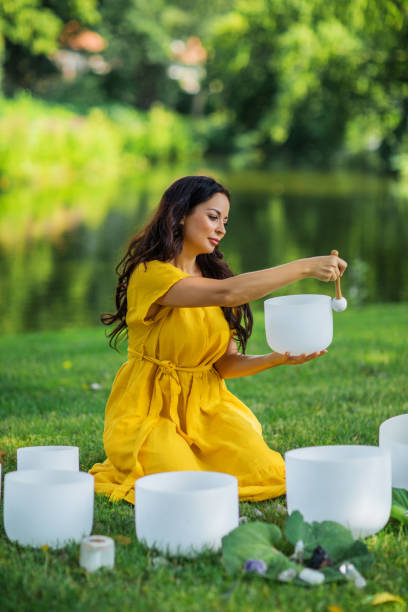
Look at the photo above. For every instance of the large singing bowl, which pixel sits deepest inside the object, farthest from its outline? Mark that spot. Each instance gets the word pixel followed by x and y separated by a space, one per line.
pixel 393 437
pixel 48 507
pixel 299 324
pixel 48 458
pixel 184 513
pixel 347 484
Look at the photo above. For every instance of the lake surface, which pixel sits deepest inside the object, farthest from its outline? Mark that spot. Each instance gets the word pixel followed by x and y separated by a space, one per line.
pixel 59 247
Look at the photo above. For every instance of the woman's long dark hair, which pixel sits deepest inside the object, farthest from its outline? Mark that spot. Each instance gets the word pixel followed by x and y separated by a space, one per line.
pixel 162 240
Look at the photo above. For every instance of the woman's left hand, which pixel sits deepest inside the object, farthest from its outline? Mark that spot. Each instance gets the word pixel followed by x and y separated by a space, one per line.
pixel 288 359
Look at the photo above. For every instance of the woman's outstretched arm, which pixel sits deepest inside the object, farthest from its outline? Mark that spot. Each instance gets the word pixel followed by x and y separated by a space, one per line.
pixel 243 288
pixel 233 364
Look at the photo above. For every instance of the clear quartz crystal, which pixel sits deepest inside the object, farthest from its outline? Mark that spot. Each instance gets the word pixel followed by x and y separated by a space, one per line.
pixel 350 571
pixel 298 552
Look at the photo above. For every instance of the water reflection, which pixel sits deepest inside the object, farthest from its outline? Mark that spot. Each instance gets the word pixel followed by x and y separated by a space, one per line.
pixel 57 254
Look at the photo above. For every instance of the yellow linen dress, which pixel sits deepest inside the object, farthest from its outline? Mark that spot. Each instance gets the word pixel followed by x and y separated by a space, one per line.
pixel 169 409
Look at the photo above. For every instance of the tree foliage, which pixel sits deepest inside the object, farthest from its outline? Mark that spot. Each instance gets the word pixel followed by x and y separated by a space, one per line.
pixel 304 79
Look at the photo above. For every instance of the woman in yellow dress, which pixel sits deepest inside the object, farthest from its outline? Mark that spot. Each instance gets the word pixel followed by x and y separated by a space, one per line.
pixel 184 313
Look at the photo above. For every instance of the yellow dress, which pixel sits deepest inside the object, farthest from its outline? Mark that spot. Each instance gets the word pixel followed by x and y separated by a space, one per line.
pixel 169 409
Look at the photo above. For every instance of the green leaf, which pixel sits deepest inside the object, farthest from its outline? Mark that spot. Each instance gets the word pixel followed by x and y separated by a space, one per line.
pixel 278 564
pixel 254 540
pixel 334 538
pixel 359 554
pixel 399 508
pixel 297 529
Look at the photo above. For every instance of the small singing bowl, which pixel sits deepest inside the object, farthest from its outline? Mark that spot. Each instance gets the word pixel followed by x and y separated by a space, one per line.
pixel 185 513
pixel 393 436
pixel 299 324
pixel 48 458
pixel 347 484
pixel 48 507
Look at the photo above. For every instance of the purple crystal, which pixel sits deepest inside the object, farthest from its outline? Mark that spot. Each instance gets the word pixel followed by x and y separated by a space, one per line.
pixel 255 565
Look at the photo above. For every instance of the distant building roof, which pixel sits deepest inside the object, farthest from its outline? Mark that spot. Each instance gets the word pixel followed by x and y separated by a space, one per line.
pixel 74 37
pixel 189 53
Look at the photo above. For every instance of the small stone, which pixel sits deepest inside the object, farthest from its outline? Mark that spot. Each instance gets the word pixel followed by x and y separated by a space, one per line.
pixel 287 575
pixel 320 558
pixel 311 576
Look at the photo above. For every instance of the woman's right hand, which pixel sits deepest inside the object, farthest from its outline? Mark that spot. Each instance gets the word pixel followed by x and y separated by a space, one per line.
pixel 325 267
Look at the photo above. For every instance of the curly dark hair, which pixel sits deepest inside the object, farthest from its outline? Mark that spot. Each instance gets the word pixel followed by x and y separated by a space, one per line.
pixel 162 240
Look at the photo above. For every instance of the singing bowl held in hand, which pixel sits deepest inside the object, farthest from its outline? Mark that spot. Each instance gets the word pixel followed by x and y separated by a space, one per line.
pixel 298 324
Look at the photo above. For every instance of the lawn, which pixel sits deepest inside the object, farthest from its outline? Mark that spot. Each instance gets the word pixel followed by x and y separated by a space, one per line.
pixel 47 397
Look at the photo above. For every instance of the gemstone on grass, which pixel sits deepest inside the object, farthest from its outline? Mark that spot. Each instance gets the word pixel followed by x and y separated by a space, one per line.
pixel 255 565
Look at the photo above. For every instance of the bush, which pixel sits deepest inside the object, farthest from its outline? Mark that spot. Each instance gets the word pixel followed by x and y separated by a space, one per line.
pixel 46 144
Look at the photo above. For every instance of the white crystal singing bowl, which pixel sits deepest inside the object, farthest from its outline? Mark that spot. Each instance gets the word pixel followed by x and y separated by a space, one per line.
pixel 299 323
pixel 48 507
pixel 183 513
pixel 347 484
pixel 393 437
pixel 48 458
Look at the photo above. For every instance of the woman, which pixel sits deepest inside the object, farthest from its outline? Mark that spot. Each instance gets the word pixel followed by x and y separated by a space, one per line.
pixel 184 312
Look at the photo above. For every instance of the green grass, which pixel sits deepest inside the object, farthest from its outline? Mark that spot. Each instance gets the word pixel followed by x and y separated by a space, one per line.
pixel 340 398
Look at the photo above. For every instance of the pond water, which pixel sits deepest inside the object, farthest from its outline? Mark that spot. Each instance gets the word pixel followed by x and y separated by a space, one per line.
pixel 59 246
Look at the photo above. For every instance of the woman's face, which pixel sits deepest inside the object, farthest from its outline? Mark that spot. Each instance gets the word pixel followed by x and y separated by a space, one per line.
pixel 204 227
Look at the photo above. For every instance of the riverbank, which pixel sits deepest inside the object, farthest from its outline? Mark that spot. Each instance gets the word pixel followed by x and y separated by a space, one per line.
pixel 54 388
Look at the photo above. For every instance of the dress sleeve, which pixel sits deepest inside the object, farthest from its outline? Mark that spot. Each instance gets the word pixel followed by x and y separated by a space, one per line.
pixel 149 283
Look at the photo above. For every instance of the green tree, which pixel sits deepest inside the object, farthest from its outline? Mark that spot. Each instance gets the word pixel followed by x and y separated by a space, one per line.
pixel 305 77
pixel 29 32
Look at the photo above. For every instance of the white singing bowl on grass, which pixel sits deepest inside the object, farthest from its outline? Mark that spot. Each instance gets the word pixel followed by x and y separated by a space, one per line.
pixel 393 436
pixel 48 507
pixel 299 324
pixel 347 484
pixel 48 458
pixel 184 513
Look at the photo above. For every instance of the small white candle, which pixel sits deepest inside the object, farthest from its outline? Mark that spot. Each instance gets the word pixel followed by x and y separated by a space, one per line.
pixel 97 551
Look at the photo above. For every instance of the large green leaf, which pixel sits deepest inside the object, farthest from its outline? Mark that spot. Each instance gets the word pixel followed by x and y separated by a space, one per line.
pixel 333 537
pixel 253 540
pixel 399 508
pixel 297 529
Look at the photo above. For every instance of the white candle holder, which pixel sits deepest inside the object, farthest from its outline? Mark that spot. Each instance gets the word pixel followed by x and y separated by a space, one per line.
pixel 97 551
pixel 393 436
pixel 299 323
pixel 48 458
pixel 48 507
pixel 185 512
pixel 347 484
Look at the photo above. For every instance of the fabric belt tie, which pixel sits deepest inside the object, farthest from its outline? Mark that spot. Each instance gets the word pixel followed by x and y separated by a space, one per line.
pixel 167 385
pixel 168 366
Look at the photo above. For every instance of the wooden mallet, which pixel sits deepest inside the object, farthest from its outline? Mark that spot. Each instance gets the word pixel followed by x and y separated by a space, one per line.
pixel 339 303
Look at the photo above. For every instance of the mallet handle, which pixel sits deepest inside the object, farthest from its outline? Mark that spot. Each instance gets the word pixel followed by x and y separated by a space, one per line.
pixel 338 288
